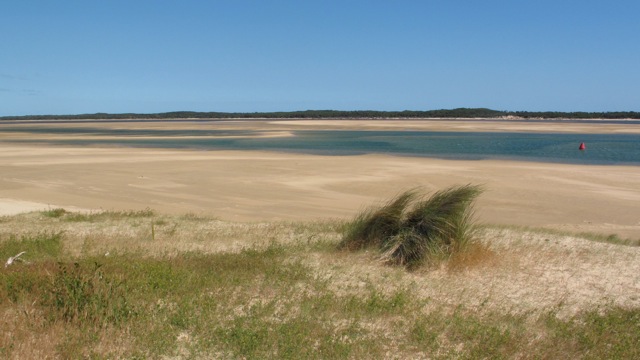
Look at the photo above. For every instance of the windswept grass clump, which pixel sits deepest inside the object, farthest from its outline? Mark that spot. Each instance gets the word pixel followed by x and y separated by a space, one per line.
pixel 373 226
pixel 409 229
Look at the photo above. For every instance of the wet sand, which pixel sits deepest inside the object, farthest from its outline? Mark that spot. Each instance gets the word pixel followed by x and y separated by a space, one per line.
pixel 267 186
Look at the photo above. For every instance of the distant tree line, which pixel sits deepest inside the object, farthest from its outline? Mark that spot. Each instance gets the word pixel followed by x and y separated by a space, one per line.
pixel 332 114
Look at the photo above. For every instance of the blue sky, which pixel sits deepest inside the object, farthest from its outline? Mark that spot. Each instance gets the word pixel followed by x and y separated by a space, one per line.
pixel 87 56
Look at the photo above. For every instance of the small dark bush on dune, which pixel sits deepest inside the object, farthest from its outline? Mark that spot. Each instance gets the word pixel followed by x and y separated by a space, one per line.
pixel 54 213
pixel 410 229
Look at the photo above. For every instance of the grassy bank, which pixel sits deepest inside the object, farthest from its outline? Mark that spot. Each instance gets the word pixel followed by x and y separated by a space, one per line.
pixel 142 285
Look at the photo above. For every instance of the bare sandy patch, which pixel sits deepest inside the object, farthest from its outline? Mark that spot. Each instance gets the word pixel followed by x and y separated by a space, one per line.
pixel 12 207
pixel 263 186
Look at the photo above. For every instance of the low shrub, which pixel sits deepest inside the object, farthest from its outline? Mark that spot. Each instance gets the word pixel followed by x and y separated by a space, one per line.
pixel 54 213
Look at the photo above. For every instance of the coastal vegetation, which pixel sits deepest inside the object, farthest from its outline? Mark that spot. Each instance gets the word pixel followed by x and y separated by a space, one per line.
pixel 411 230
pixel 332 114
pixel 138 284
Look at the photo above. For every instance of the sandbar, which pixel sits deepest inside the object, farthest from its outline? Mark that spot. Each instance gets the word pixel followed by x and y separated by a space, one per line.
pixel 270 186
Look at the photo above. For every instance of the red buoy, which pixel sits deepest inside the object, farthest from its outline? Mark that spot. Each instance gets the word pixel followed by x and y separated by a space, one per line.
pixel 582 146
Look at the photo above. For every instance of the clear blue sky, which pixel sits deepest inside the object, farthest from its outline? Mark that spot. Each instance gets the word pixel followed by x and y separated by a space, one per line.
pixel 115 56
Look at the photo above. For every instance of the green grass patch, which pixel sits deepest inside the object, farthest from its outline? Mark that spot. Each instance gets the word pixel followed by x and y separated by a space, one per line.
pixel 195 217
pixel 604 238
pixel 54 213
pixel 105 215
pixel 611 239
pixel 600 334
pixel 37 246
pixel 263 304
pixel 84 294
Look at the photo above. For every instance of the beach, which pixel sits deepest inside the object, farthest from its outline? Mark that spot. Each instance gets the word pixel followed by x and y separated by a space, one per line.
pixel 251 186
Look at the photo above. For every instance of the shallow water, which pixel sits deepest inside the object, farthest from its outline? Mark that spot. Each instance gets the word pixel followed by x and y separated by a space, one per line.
pixel 557 148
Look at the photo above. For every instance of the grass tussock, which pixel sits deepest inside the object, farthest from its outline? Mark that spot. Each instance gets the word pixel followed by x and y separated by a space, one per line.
pixel 374 226
pixel 411 229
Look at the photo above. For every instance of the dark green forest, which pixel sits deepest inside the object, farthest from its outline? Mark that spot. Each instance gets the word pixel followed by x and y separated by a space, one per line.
pixel 333 114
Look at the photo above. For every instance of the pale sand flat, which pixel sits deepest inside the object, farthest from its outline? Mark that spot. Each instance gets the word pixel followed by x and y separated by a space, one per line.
pixel 12 207
pixel 256 186
pixel 274 128
pixel 265 186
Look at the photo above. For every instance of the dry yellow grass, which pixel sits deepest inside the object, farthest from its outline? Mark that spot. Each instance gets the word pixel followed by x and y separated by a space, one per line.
pixel 509 269
pixel 509 275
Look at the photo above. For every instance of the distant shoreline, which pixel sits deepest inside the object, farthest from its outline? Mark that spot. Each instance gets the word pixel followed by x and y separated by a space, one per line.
pixel 460 113
pixel 626 121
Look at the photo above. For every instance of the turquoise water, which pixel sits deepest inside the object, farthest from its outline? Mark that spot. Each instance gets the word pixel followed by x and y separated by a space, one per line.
pixel 562 148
